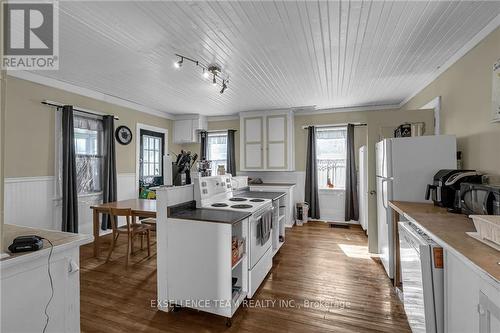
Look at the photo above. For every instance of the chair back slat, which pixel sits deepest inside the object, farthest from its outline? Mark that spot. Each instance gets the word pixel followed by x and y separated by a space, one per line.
pixel 115 212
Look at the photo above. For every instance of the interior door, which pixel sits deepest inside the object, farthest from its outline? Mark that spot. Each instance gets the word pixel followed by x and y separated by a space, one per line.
pixel 276 131
pixel 253 143
pixel 152 151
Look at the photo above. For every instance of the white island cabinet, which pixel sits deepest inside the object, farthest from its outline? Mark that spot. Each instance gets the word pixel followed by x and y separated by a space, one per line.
pixel 25 284
pixel 286 209
pixel 472 298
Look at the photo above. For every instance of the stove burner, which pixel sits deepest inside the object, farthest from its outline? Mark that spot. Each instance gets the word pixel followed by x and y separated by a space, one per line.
pixel 237 199
pixel 257 200
pixel 241 206
pixel 219 204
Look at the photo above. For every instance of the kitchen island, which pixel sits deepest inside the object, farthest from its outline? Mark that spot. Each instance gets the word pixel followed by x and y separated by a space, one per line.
pixel 202 258
pixel 471 268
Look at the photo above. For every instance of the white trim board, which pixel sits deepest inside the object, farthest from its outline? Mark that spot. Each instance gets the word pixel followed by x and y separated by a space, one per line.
pixel 50 82
pixel 435 104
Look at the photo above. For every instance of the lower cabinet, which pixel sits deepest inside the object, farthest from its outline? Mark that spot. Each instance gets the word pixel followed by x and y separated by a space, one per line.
pixel 286 207
pixel 25 289
pixel 472 300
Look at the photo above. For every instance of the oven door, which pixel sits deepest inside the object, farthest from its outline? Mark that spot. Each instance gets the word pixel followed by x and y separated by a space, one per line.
pixel 257 250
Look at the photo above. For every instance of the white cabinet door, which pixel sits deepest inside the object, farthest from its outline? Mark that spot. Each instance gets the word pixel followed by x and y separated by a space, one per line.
pixel 461 296
pixel 183 131
pixel 277 142
pixel 253 145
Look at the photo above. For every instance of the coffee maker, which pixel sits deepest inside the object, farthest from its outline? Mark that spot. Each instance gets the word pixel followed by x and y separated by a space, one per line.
pixel 445 189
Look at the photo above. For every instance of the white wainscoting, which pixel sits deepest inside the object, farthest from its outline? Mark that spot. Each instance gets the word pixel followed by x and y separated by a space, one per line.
pixel 331 202
pixel 297 177
pixel 332 205
pixel 30 201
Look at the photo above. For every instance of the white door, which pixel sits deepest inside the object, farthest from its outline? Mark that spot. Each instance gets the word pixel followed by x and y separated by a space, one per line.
pixel 385 240
pixel 276 142
pixel 253 143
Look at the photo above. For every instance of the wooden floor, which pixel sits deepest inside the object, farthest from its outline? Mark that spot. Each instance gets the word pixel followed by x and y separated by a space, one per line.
pixel 323 274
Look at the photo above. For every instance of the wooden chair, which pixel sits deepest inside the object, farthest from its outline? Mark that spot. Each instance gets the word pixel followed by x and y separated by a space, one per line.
pixel 151 222
pixel 132 229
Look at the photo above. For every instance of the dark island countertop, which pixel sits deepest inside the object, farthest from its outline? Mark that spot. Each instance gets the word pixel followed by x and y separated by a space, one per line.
pixel 261 195
pixel 188 211
pixel 273 184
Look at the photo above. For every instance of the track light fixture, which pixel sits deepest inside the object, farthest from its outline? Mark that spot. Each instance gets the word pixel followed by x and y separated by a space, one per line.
pixel 224 86
pixel 178 64
pixel 213 69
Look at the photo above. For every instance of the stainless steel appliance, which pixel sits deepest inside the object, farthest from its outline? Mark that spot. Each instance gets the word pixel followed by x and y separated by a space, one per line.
pixel 423 279
pixel 446 184
pixel 480 199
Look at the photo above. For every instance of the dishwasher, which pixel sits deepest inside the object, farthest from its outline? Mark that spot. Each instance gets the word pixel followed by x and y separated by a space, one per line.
pixel 423 279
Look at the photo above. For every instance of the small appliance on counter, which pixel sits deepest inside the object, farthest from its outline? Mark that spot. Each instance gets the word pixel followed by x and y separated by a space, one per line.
pixel 479 199
pixel 445 189
pixel 409 129
pixel 204 168
pixel 181 168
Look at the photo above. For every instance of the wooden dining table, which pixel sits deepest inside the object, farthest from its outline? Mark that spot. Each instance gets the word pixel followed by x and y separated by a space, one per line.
pixel 140 208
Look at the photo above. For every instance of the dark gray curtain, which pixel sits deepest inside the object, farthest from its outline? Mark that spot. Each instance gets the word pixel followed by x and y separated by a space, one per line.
pixel 231 158
pixel 203 148
pixel 109 181
pixel 311 195
pixel 351 182
pixel 69 191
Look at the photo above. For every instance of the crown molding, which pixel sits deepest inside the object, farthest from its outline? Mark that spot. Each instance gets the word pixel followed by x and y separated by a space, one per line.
pixel 348 109
pixel 50 82
pixel 488 29
pixel 223 118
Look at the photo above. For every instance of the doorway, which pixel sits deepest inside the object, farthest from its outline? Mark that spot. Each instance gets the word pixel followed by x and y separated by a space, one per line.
pixel 150 169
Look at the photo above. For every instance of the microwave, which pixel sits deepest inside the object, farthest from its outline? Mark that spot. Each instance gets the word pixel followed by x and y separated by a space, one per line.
pixel 479 199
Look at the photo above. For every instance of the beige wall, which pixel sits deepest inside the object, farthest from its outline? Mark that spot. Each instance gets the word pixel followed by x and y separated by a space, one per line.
pixel 29 132
pixel 465 90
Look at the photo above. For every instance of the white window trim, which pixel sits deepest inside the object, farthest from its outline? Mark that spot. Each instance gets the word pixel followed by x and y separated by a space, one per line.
pixel 326 128
pixel 140 126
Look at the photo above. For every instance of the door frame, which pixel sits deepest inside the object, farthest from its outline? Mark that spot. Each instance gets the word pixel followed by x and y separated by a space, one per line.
pixel 140 127
pixel 435 104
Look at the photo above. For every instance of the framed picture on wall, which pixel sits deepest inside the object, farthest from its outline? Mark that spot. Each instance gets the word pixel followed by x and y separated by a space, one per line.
pixel 495 93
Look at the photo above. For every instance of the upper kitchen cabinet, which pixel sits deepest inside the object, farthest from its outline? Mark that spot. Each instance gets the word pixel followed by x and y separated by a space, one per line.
pixel 186 128
pixel 267 141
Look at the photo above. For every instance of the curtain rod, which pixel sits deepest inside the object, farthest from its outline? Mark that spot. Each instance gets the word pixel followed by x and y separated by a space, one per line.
pixel 78 109
pixel 335 125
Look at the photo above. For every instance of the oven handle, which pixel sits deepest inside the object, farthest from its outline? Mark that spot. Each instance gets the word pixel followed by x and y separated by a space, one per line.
pixel 265 212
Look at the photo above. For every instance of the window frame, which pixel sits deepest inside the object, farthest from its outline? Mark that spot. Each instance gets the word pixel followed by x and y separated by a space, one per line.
pixel 215 134
pixel 336 187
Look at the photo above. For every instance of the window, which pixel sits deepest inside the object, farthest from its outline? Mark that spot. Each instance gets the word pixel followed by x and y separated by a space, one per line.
pixel 151 156
pixel 331 146
pixel 217 150
pixel 89 154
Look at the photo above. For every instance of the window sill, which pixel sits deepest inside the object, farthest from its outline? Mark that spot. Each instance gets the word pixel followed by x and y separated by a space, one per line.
pixel 336 189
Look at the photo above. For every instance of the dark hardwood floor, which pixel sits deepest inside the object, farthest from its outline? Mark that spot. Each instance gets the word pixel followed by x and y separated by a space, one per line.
pixel 322 281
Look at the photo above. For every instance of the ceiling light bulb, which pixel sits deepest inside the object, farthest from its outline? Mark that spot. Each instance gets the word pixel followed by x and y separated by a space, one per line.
pixel 214 82
pixel 178 64
pixel 206 75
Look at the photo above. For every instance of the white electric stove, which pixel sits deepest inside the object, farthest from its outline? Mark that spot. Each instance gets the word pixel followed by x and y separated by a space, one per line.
pixel 216 193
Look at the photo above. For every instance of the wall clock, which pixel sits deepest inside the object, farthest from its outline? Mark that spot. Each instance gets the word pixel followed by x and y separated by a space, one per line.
pixel 123 135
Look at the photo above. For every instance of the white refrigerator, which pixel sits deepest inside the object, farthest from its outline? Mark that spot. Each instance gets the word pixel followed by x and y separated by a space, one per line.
pixel 404 167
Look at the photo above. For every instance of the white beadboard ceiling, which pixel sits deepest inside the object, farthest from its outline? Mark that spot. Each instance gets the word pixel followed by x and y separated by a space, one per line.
pixel 279 54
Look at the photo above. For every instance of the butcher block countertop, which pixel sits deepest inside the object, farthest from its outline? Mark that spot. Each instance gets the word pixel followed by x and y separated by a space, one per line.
pixel 449 231
pixel 61 241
